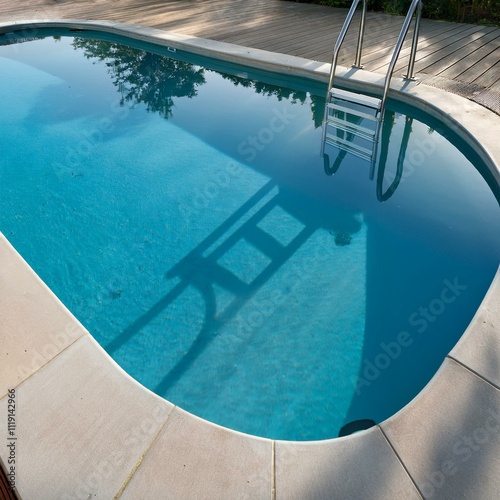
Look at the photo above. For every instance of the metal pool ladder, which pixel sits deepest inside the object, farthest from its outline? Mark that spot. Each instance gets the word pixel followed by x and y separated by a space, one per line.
pixel 352 120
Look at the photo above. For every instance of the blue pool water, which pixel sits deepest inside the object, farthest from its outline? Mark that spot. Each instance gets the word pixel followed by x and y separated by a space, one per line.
pixel 182 212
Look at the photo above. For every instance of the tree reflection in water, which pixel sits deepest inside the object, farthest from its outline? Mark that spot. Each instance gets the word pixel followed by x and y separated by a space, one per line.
pixel 154 80
pixel 317 102
pixel 143 77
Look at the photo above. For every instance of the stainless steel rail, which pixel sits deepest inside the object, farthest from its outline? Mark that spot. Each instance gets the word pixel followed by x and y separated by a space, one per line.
pixel 336 50
pixel 341 37
pixel 416 5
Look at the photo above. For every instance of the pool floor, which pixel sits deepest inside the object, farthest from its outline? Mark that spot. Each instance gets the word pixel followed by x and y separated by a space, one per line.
pixel 214 272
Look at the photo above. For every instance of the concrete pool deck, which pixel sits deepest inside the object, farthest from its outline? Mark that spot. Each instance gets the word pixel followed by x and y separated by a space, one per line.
pixel 85 429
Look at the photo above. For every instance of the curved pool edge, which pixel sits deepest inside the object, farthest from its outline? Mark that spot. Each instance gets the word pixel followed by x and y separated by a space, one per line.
pixel 469 120
pixel 91 429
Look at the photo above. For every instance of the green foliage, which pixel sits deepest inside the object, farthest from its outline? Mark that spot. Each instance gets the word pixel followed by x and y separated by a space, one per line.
pixel 468 11
pixel 464 11
pixel 345 4
pixel 471 11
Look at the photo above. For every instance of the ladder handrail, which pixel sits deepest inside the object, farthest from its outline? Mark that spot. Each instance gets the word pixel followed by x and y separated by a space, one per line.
pixel 416 4
pixel 336 50
pixel 341 37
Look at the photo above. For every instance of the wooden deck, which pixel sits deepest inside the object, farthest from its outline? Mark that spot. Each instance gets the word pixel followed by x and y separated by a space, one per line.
pixel 459 57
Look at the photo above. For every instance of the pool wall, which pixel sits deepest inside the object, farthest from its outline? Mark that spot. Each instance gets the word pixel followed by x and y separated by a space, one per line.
pixel 85 429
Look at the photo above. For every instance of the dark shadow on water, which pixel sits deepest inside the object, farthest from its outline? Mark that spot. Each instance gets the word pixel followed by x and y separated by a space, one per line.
pixel 193 256
pixel 201 342
pixel 391 374
pixel 203 272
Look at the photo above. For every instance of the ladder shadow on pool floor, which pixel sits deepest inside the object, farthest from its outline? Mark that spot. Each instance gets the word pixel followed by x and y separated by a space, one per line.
pixel 201 268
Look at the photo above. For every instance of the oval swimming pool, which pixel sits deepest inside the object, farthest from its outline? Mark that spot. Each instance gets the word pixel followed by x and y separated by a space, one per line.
pixel 180 208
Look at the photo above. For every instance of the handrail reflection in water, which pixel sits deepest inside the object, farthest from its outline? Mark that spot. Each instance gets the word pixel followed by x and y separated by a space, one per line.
pixel 380 163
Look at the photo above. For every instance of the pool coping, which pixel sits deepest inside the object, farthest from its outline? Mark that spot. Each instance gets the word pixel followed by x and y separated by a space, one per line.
pixel 220 462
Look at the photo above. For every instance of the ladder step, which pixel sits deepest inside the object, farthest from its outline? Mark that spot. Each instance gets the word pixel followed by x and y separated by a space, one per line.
pixel 350 111
pixel 352 128
pixel 349 147
pixel 364 100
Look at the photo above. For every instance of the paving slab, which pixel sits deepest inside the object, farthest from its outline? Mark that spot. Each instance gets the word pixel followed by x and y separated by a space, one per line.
pixel 479 347
pixel 37 327
pixel 362 465
pixel 448 437
pixel 193 458
pixel 82 426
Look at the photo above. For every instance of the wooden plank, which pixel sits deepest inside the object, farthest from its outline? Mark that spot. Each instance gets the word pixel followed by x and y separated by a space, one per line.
pixel 429 43
pixel 467 62
pixel 284 36
pixel 436 52
pixel 303 44
pixel 292 27
pixel 388 38
pixel 496 86
pixel 462 52
pixel 318 43
pixel 488 64
pixel 273 30
pixel 220 19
